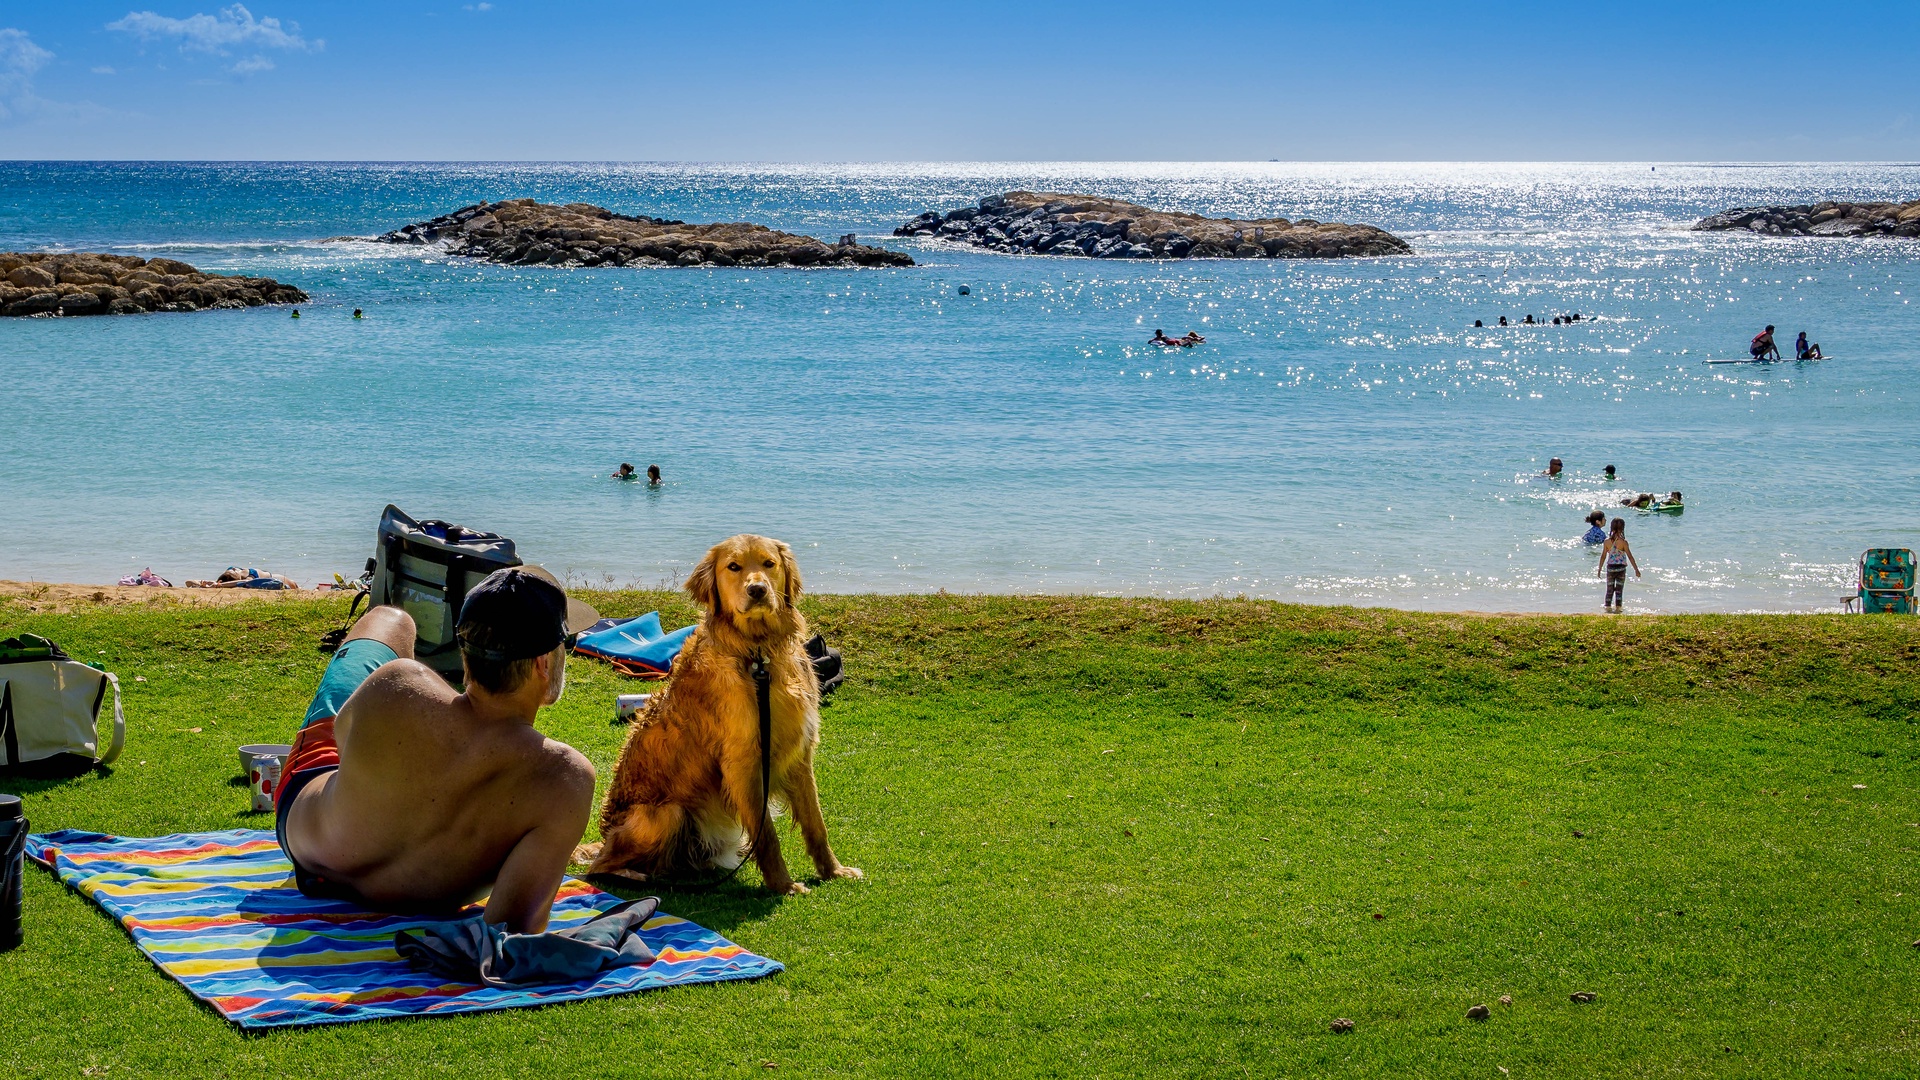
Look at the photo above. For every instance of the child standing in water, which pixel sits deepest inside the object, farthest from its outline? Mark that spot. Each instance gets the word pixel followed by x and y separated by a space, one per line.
pixel 1615 557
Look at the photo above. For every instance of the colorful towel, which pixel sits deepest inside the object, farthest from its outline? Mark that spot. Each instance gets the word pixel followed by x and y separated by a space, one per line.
pixel 219 913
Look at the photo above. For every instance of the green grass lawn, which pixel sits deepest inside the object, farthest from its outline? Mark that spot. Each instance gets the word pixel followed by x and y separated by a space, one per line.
pixel 1128 837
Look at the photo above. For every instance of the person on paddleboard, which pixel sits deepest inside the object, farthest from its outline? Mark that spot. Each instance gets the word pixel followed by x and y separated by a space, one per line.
pixel 1763 347
pixel 1804 351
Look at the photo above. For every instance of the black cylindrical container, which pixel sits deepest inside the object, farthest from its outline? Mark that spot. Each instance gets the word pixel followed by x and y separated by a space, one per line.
pixel 13 860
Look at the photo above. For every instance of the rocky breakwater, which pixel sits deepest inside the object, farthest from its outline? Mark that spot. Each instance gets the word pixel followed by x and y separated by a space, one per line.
pixel 87 284
pixel 1821 219
pixel 522 232
pixel 1026 222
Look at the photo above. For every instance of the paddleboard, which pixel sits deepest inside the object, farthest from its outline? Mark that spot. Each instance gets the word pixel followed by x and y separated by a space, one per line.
pixel 1783 360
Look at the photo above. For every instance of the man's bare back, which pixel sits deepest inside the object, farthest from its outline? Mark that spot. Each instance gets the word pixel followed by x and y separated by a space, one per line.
pixel 442 798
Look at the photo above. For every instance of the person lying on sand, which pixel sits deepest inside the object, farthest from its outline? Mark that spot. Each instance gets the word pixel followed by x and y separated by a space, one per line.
pixel 233 577
pixel 402 795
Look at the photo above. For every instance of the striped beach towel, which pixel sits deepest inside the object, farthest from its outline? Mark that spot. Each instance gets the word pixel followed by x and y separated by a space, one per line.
pixel 218 912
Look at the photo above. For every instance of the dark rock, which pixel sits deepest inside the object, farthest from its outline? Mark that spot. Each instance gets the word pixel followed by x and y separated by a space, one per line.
pixel 1819 219
pixel 85 283
pixel 524 232
pixel 1025 222
pixel 36 304
pixel 1479 1012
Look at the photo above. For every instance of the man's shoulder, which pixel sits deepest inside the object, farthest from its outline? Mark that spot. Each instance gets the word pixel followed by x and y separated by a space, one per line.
pixel 565 767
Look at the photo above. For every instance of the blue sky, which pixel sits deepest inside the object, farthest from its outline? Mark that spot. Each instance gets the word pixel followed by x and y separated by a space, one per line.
pixel 986 80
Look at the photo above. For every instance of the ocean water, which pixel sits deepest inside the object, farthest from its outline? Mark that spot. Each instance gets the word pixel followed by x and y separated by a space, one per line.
pixel 1344 436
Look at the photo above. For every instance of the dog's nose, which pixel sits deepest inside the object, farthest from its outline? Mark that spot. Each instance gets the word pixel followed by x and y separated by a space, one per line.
pixel 756 591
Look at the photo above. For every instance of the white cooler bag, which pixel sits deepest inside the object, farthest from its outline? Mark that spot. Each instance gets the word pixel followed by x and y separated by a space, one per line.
pixel 50 707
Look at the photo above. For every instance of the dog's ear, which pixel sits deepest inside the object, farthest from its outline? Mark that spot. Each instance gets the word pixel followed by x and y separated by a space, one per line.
pixel 789 572
pixel 701 583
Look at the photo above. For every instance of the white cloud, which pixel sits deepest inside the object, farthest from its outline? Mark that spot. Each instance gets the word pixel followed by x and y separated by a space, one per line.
pixel 216 34
pixel 251 64
pixel 103 70
pixel 20 59
pixel 477 7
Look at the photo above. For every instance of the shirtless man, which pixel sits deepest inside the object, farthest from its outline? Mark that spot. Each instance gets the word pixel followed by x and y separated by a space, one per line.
pixel 1762 346
pixel 402 795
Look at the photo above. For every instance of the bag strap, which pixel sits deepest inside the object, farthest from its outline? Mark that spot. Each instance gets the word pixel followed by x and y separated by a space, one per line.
pixel 6 724
pixel 119 717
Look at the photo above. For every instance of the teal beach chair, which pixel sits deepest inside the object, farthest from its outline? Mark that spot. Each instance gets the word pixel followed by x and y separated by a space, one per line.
pixel 1886 582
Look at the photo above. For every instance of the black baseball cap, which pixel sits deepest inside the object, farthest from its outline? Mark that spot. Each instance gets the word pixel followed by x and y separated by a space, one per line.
pixel 519 613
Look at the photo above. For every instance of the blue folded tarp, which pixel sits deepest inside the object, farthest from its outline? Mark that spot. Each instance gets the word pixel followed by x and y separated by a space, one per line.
pixel 636 646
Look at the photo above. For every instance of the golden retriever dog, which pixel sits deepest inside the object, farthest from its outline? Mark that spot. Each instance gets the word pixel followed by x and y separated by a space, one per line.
pixel 686 794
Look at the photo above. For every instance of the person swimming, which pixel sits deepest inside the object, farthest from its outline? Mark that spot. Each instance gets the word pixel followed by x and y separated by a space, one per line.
pixel 1161 339
pixel 624 472
pixel 1503 320
pixel 1596 528
pixel 1477 324
pixel 1804 351
pixel 1639 502
pixel 1608 473
pixel 1553 469
pixel 1673 498
pixel 653 476
pixel 356 313
pixel 296 313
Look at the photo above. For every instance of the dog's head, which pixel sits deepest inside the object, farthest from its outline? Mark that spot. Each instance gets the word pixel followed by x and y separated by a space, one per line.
pixel 750 582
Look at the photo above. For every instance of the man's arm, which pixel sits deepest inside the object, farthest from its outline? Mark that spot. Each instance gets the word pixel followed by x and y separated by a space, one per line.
pixel 523 894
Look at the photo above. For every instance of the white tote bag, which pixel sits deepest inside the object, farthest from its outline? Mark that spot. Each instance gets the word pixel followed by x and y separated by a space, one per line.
pixel 51 706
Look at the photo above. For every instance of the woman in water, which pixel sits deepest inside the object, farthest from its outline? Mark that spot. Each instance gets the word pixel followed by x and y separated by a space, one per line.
pixel 624 472
pixel 653 476
pixel 1615 557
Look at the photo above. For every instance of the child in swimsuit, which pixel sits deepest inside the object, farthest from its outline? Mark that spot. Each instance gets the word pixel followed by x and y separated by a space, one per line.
pixel 1615 557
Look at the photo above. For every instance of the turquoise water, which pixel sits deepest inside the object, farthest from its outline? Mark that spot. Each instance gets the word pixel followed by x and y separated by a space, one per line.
pixel 1344 436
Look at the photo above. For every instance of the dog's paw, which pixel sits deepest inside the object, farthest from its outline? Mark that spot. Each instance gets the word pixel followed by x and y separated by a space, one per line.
pixel 585 854
pixel 630 875
pixel 848 872
pixel 794 888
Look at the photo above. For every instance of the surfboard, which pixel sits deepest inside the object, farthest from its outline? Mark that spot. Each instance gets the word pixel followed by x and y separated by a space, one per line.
pixel 1783 360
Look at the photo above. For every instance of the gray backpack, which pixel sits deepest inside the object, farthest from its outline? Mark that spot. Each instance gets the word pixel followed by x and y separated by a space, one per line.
pixel 425 568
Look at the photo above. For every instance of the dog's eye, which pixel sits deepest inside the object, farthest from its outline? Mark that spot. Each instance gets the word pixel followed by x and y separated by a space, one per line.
pixel 733 567
pixel 768 564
